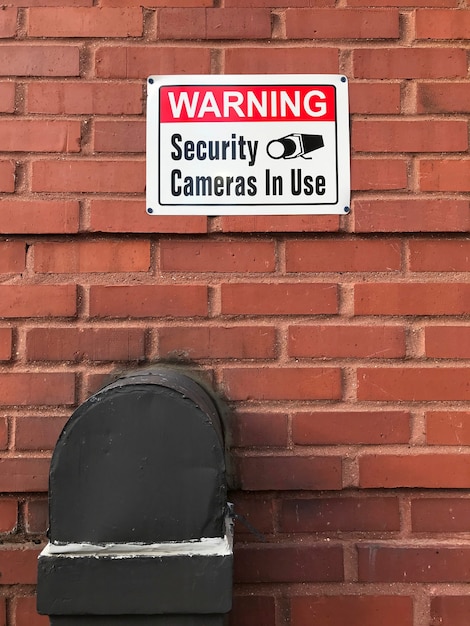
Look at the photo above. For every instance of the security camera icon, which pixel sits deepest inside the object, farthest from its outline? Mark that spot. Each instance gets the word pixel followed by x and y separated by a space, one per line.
pixel 294 145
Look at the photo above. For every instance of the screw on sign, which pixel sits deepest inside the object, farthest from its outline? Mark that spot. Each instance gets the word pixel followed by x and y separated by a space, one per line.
pixel 247 145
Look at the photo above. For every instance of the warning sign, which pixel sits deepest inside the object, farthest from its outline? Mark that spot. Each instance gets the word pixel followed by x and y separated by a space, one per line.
pixel 247 145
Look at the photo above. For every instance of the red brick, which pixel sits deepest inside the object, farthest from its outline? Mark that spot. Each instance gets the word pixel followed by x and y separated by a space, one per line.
pixel 446 175
pixel 73 98
pixel 374 98
pixel 38 300
pixel 281 60
pixel 452 342
pixel 365 610
pixel 402 3
pixel 265 473
pixel 448 428
pixel 92 256
pixel 6 343
pixel 8 18
pixel 279 223
pixel 279 298
pixel 327 341
pixel 198 23
pixel 260 430
pixel 84 22
pixel 46 3
pixel 350 427
pixel 450 610
pixel 217 256
pixel 26 614
pixel 119 136
pixel 160 3
pixel 342 255
pixel 38 433
pixel 148 300
pixel 94 344
pixel 434 471
pixel 12 257
pixel 342 24
pixel 412 299
pixel 257 510
pixel 276 3
pixel 411 215
pixel 7 177
pixel 443 97
pixel 408 564
pixel 3 433
pixel 413 383
pixel 283 383
pixel 18 564
pixel 20 475
pixel 37 516
pixel 7 98
pixel 440 515
pixel 8 516
pixel 27 59
pixel 409 136
pixel 39 217
pixel 141 61
pixel 272 563
pixel 113 216
pixel 252 611
pixel 413 63
pixel 39 135
pixel 100 176
pixel 23 389
pixel 339 515
pixel 378 174
pixel 442 24
pixel 218 342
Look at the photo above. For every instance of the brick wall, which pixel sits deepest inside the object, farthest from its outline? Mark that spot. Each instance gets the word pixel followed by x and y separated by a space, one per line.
pixel 342 344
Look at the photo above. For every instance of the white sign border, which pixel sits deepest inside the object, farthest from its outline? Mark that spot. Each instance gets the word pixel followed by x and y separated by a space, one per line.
pixel 340 83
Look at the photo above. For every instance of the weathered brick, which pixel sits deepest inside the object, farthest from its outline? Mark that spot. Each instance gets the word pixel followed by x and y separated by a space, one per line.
pixel 38 300
pixel 288 563
pixel 8 515
pixel 436 471
pixel 39 136
pixel 217 256
pixel 94 344
pixel 6 343
pixel 283 383
pixel 30 389
pixel 279 298
pixel 39 217
pixel 409 63
pixel 342 24
pixel 350 427
pixel 92 256
pixel 440 515
pixel 113 216
pixel 442 24
pixel 447 342
pixel 412 299
pixel 28 59
pixel 214 23
pixel 12 257
pixel 413 383
pixel 260 430
pixel 352 610
pixel 37 515
pixel 279 223
pixel 281 60
pixel 408 564
pixel 20 475
pixel 446 175
pixel 141 61
pixel 263 473
pixel 374 98
pixel 411 215
pixel 358 514
pixel 26 614
pixel 218 342
pixel 409 136
pixel 148 300
pixel 119 136
pixel 342 255
pixel 448 428
pixel 8 20
pixel 450 610
pixel 443 97
pixel 18 564
pixel 74 98
pixel 38 433
pixel 84 22
pixel 7 98
pixel 7 177
pixel 100 176
pixel 252 611
pixel 378 174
